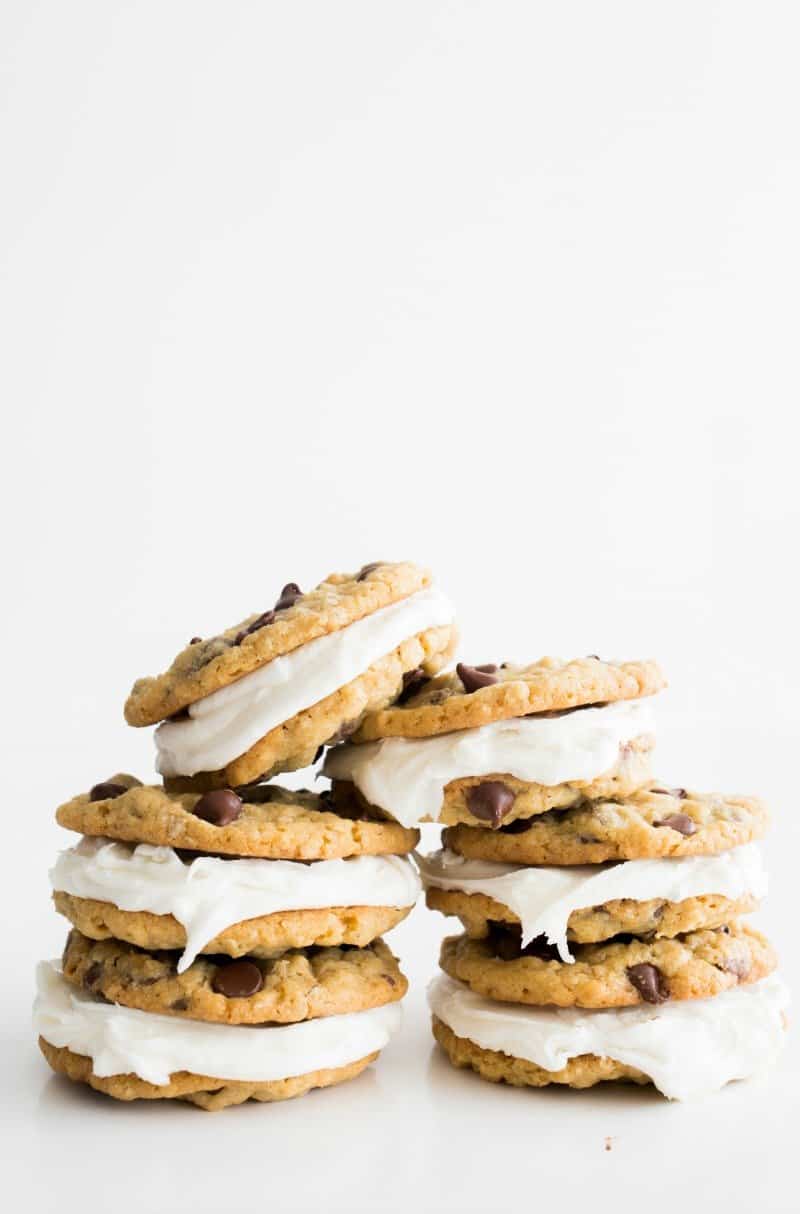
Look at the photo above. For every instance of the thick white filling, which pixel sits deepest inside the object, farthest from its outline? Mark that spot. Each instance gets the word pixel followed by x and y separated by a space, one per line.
pixel 543 898
pixel 407 777
pixel 228 722
pixel 209 893
pixel 688 1048
pixel 124 1041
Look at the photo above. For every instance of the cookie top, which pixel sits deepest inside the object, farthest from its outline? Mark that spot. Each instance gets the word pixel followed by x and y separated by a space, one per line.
pixel 471 696
pixel 206 665
pixel 266 820
pixel 620 973
pixel 298 985
pixel 651 823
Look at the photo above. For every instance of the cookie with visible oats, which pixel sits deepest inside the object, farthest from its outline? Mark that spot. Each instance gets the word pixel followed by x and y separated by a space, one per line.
pixel 652 823
pixel 264 936
pixel 295 986
pixel 471 696
pixel 267 821
pixel 619 973
pixel 653 918
pixel 204 1091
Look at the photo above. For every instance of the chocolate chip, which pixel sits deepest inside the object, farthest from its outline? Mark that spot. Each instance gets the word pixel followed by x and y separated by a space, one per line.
pixel 106 791
pixel 490 801
pixel 649 982
pixel 238 980
pixel 680 822
pixel 288 596
pixel 680 793
pixel 93 974
pixel 179 1005
pixel 388 978
pixel 219 807
pixel 595 657
pixel 366 570
pixel 195 640
pixel 265 618
pixel 474 677
pixel 413 680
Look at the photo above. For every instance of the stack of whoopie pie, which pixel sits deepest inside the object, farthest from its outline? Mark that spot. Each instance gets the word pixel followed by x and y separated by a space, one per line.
pixel 601 910
pixel 211 904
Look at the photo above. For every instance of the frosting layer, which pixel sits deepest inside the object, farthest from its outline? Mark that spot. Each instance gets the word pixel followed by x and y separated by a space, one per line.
pixel 543 898
pixel 406 777
pixel 688 1048
pixel 228 722
pixel 208 894
pixel 123 1041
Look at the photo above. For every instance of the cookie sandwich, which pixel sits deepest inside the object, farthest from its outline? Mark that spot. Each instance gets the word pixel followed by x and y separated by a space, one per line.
pixel 605 941
pixel 491 745
pixel 264 695
pixel 198 917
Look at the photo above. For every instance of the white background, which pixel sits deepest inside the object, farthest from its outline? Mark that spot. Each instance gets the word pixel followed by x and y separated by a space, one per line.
pixel 508 288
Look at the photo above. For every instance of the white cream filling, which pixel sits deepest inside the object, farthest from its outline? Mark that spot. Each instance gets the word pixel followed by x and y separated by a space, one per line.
pixel 543 898
pixel 689 1048
pixel 124 1041
pixel 209 894
pixel 228 722
pixel 406 777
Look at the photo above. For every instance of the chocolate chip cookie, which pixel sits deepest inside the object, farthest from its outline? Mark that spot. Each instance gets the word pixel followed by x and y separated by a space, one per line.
pixel 619 973
pixel 265 820
pixel 297 985
pixel 653 918
pixel 264 936
pixel 471 696
pixel 204 1091
pixel 658 821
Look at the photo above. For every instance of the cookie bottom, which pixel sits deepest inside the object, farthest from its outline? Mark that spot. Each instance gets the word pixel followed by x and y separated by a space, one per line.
pixel 582 1072
pixel 201 1090
pixel 266 936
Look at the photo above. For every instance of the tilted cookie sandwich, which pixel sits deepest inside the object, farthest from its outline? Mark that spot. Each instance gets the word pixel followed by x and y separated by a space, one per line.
pixel 128 1023
pixel 265 694
pixel 256 873
pixel 488 745
pixel 663 889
